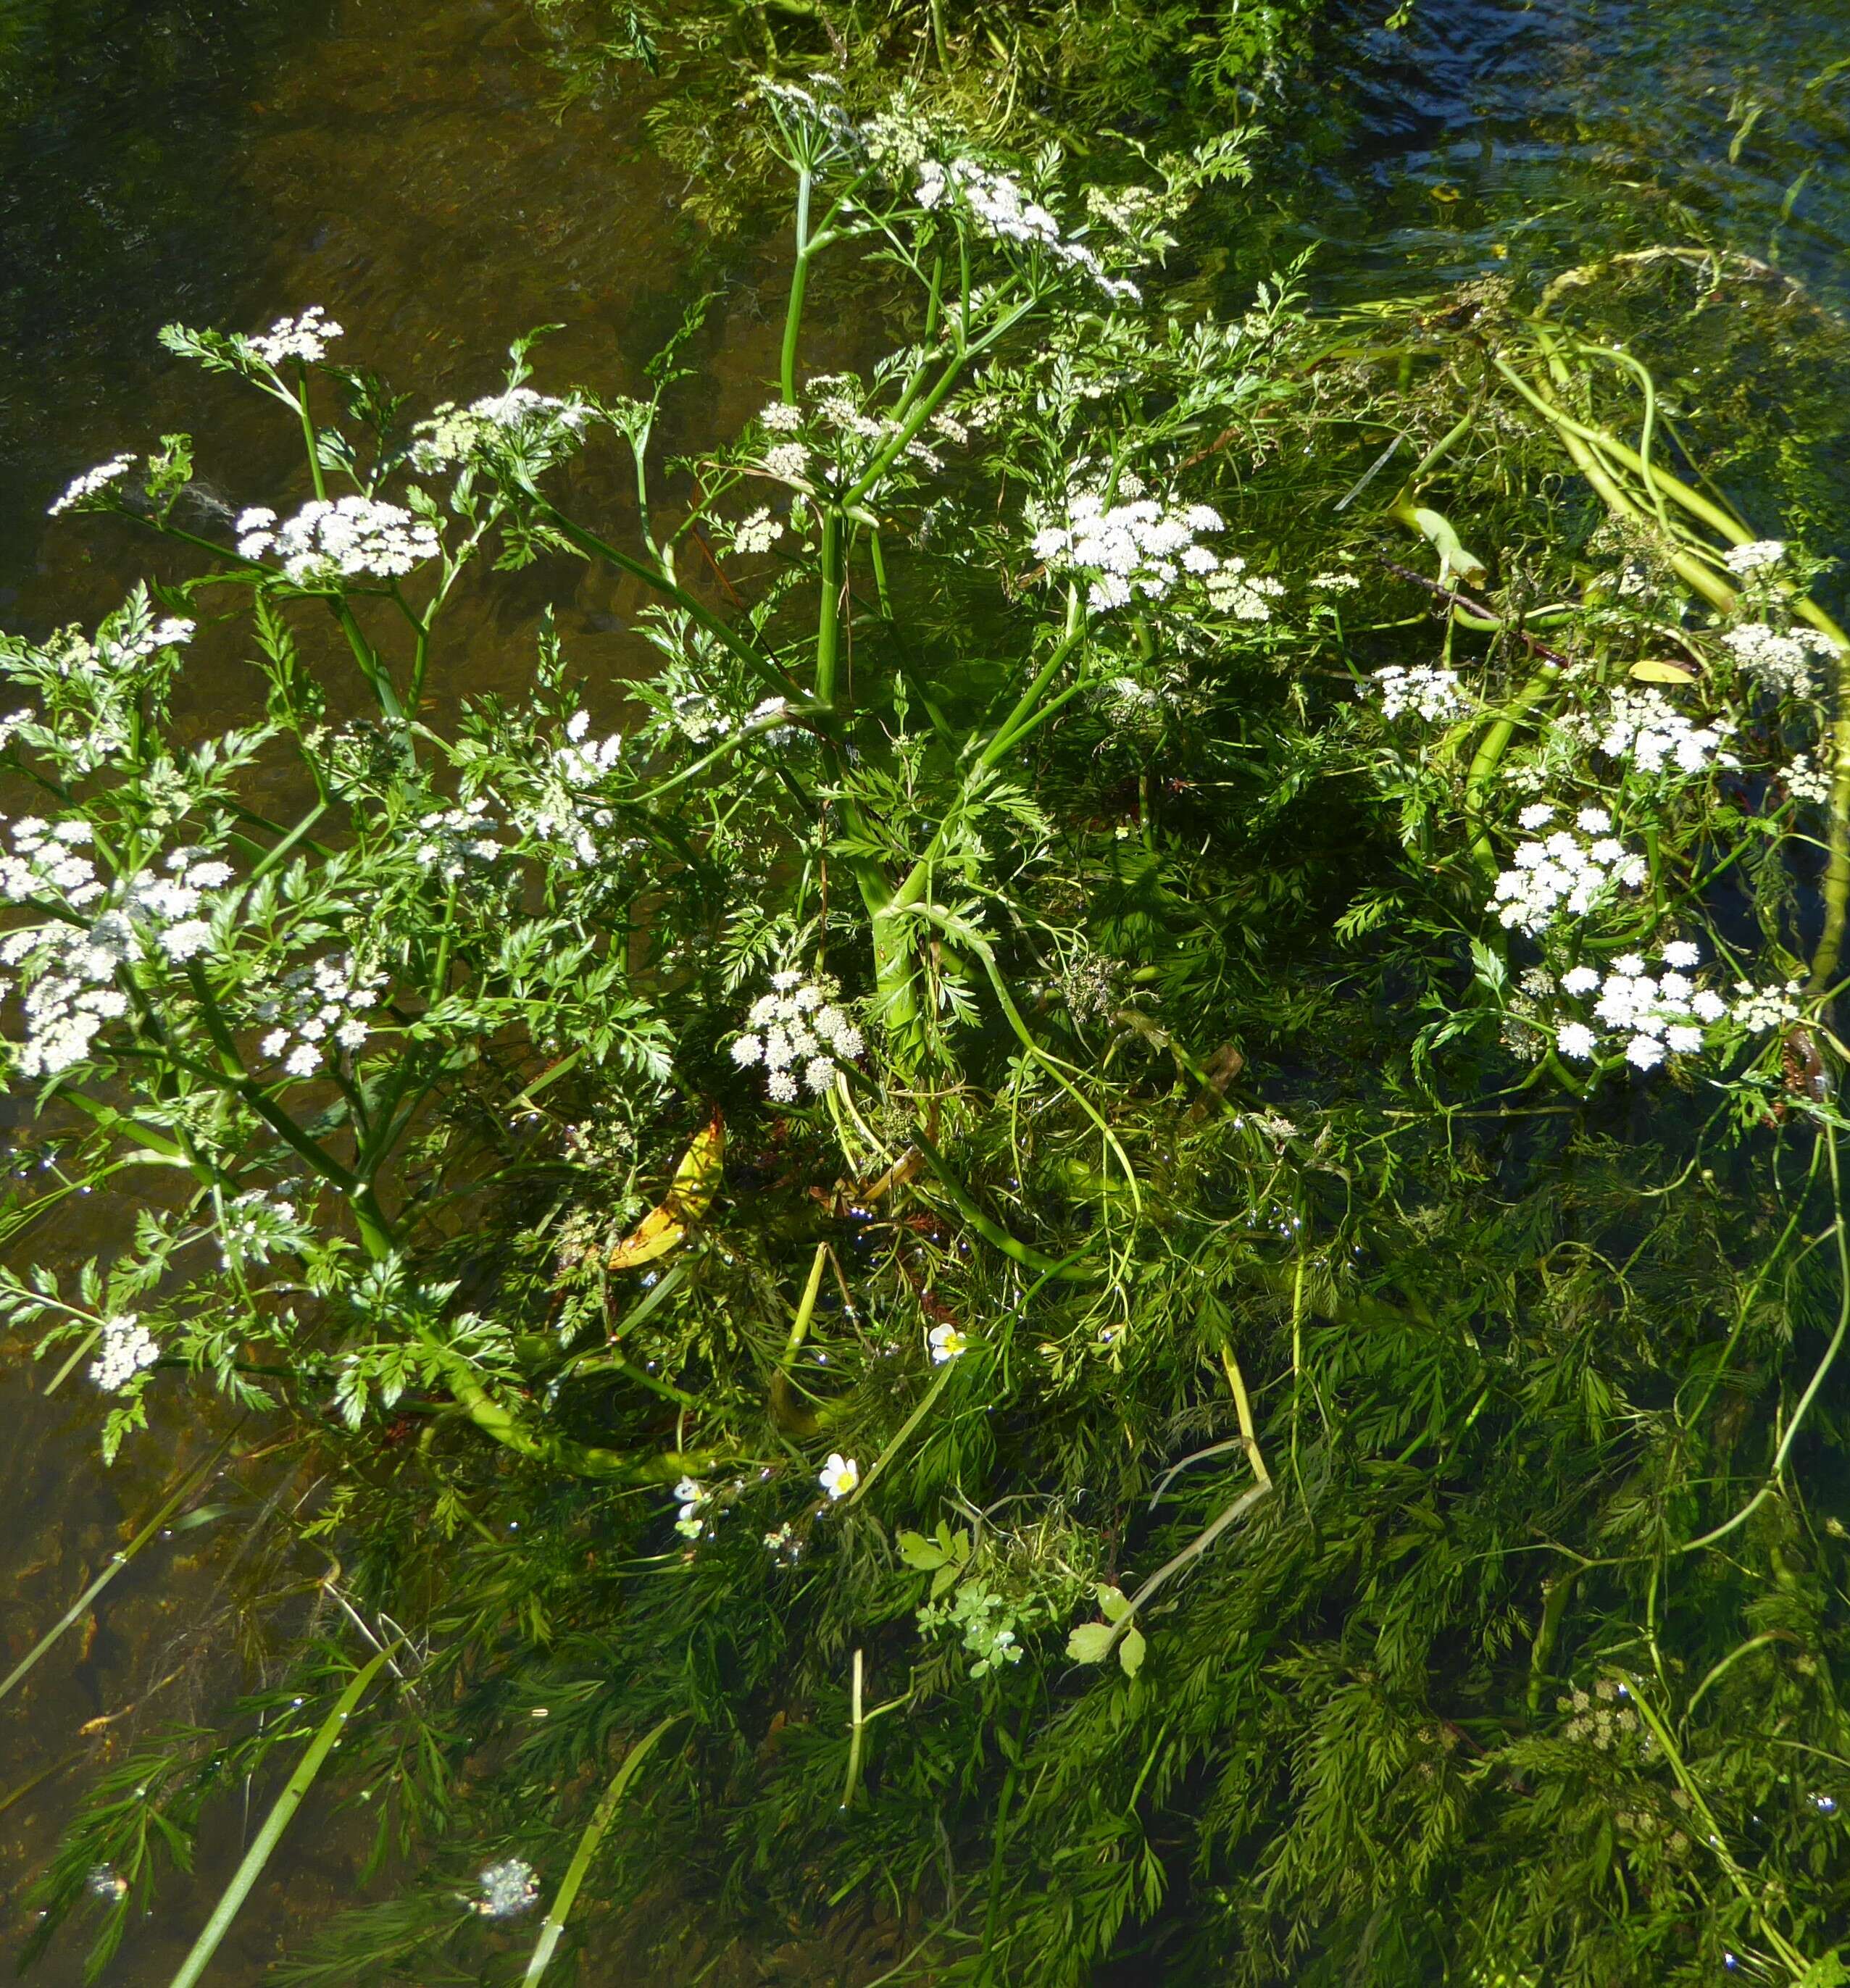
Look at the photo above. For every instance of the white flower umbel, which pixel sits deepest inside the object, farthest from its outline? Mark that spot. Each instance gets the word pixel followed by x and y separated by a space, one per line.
pixel 535 424
pixel 797 1027
pixel 451 839
pixel 1756 556
pixel 68 966
pixel 508 1889
pixel 1785 663
pixel 319 1010
pixel 840 1475
pixel 127 1346
pixel 1650 1016
pixel 1757 1009
pixel 349 538
pixel 304 339
pixel 1434 695
pixel 1646 728
pixel 1140 547
pixel 947 1342
pixel 1806 781
pixel 1247 596
pixel 1567 871
pixel 91 490
pixel 1001 210
pixel 564 807
pixel 757 533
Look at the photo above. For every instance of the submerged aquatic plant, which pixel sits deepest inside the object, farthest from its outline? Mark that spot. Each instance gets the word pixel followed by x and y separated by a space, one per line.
pixel 1290 1324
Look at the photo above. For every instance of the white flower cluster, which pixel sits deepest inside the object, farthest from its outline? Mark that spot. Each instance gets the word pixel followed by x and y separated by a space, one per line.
pixel 564 813
pixel 455 837
pixel 1246 596
pixel 1568 869
pixel 757 533
pixel 68 968
pixel 508 1889
pixel 1805 782
pixel 1434 695
pixel 996 203
pixel 91 484
pixel 1140 546
pixel 1336 582
pixel 305 338
pixel 1658 1014
pixel 127 1346
pixel 781 417
pixel 1645 728
pixel 252 1226
pixel 1753 557
pixel 788 461
pixel 343 539
pixel 519 413
pixel 1757 1009
pixel 800 1024
pixel 318 1008
pixel 1784 663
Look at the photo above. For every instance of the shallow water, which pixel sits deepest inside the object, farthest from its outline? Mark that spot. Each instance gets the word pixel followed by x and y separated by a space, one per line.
pixel 224 163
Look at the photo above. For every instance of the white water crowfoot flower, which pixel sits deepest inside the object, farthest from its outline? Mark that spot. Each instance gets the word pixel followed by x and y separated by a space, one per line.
pixel 94 490
pixel 127 1347
pixel 1139 546
pixel 1568 870
pixel 798 1024
pixel 350 538
pixel 508 1890
pixel 947 1342
pixel 1434 695
pixel 840 1475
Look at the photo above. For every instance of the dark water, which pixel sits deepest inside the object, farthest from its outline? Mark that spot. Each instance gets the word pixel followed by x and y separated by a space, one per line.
pixel 224 161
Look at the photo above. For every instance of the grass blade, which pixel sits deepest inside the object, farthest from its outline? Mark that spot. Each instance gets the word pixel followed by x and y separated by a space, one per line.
pixel 79 1608
pixel 602 1818
pixel 231 1899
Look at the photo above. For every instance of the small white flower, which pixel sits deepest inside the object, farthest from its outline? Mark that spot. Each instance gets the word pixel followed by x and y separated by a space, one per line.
pixel 185 941
pixel 1576 1039
pixel 91 484
pixel 946 1343
pixel 304 1061
pixel 1579 980
pixel 840 1475
pixel 1594 820
pixel 1682 953
pixel 1538 814
pixel 1755 557
pixel 127 1346
pixel 1645 1051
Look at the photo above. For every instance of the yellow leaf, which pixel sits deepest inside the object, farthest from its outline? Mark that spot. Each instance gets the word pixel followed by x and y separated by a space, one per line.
pixel 689 1196
pixel 1661 670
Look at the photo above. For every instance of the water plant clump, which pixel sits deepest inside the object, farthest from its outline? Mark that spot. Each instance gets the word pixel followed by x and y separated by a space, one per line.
pixel 1110 1233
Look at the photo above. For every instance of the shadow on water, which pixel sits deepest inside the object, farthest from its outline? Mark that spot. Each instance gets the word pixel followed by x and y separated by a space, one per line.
pixel 225 162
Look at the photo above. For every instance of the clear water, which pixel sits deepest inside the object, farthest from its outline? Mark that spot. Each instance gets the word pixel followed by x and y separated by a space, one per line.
pixel 224 161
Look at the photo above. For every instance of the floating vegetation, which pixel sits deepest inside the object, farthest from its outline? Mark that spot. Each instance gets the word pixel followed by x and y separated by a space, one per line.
pixel 1113 1235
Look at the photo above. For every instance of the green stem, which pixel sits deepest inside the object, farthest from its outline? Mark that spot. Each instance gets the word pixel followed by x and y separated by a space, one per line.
pixel 800 283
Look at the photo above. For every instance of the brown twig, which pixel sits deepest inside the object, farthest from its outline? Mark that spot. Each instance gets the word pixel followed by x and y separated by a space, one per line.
pixel 1454 599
